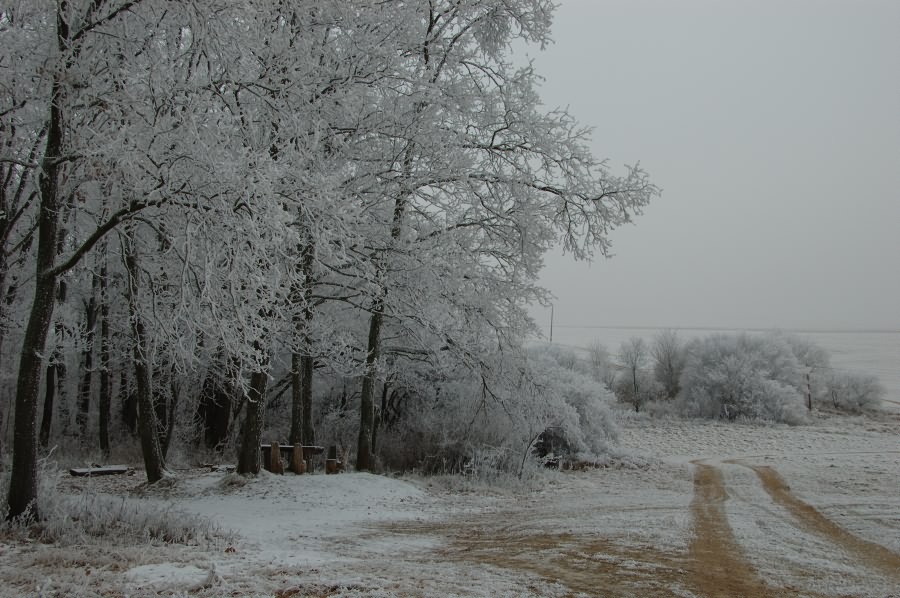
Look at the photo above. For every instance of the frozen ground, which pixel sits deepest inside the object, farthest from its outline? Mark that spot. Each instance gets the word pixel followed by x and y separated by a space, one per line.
pixel 713 510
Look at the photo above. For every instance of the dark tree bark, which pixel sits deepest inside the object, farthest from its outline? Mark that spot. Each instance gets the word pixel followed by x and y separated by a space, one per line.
pixel 364 454
pixel 251 429
pixel 128 404
pixel 154 462
pixel 14 202
pixel 215 404
pixel 302 430
pixel 105 396
pixel 296 435
pixel 169 431
pixel 23 483
pixel 47 415
pixel 82 415
pixel 364 447
pixel 161 401
pixel 380 414
pixel 306 399
pixel 302 362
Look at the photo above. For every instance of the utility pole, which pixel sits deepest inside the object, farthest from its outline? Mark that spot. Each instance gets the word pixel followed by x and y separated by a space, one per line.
pixel 808 393
pixel 551 322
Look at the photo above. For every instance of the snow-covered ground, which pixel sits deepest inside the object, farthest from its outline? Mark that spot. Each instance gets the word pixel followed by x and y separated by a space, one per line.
pixel 701 509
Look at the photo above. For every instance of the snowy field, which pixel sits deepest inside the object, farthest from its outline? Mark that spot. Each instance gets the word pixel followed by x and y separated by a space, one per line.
pixel 694 509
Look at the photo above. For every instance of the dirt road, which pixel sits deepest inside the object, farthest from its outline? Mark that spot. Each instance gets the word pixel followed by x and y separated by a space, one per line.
pixel 713 565
pixel 717 564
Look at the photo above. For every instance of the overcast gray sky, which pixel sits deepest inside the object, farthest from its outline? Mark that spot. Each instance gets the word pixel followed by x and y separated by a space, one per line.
pixel 773 127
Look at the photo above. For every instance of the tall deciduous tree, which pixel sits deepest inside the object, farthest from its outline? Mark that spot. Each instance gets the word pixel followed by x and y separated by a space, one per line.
pixel 99 153
pixel 474 165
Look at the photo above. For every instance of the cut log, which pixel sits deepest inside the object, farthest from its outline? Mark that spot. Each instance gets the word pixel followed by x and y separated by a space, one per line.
pixel 298 465
pixel 275 465
pixel 221 468
pixel 332 465
pixel 101 470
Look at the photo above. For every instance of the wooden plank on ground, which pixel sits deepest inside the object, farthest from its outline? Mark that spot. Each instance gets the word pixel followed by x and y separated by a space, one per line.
pixel 100 470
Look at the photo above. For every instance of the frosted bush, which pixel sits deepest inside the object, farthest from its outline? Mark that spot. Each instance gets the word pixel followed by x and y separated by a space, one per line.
pixel 743 376
pixel 487 424
pixel 637 388
pixel 853 392
pixel 815 361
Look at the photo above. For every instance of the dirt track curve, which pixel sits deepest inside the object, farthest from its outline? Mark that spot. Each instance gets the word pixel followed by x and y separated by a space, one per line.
pixel 871 554
pixel 714 564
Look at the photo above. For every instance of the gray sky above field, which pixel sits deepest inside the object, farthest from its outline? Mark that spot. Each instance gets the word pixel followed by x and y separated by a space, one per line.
pixel 773 128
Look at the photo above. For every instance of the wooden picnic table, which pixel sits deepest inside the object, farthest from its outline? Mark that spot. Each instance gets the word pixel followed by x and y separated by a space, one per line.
pixel 286 453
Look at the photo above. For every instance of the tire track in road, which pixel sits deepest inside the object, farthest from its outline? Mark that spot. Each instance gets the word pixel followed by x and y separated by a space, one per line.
pixel 717 564
pixel 872 554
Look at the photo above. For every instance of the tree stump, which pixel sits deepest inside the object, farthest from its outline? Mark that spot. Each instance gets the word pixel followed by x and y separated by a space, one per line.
pixel 331 463
pixel 298 465
pixel 275 465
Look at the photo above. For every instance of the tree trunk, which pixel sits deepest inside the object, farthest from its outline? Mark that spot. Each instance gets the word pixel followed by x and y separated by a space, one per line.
pixel 82 416
pixel 161 402
pixel 302 363
pixel 296 435
pixel 128 404
pixel 23 481
pixel 105 397
pixel 380 412
pixel 214 406
pixel 306 399
pixel 64 413
pixel 251 430
pixel 47 415
pixel 634 390
pixel 170 418
pixel 302 430
pixel 154 462
pixel 364 448
pixel 364 455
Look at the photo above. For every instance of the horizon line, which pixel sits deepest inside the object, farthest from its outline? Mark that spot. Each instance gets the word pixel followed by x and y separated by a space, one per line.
pixel 836 330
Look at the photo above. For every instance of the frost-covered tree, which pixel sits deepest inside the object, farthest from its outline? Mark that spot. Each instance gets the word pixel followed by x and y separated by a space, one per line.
pixel 451 421
pixel 86 60
pixel 365 188
pixel 816 362
pixel 635 383
pixel 853 392
pixel 477 168
pixel 745 375
pixel 668 355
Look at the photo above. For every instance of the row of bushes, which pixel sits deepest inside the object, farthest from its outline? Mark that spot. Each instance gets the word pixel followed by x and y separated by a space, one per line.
pixel 771 376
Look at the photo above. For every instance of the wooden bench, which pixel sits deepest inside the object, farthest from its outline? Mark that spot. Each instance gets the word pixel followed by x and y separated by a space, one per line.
pixel 96 470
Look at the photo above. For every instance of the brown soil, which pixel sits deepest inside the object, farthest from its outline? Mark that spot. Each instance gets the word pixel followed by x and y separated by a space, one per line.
pixel 585 566
pixel 871 554
pixel 718 567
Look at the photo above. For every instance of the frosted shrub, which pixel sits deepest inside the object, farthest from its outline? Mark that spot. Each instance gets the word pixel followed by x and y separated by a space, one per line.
pixel 579 403
pixel 480 426
pixel 634 383
pixel 853 392
pixel 814 360
pixel 637 388
pixel 667 352
pixel 742 376
pixel 601 365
